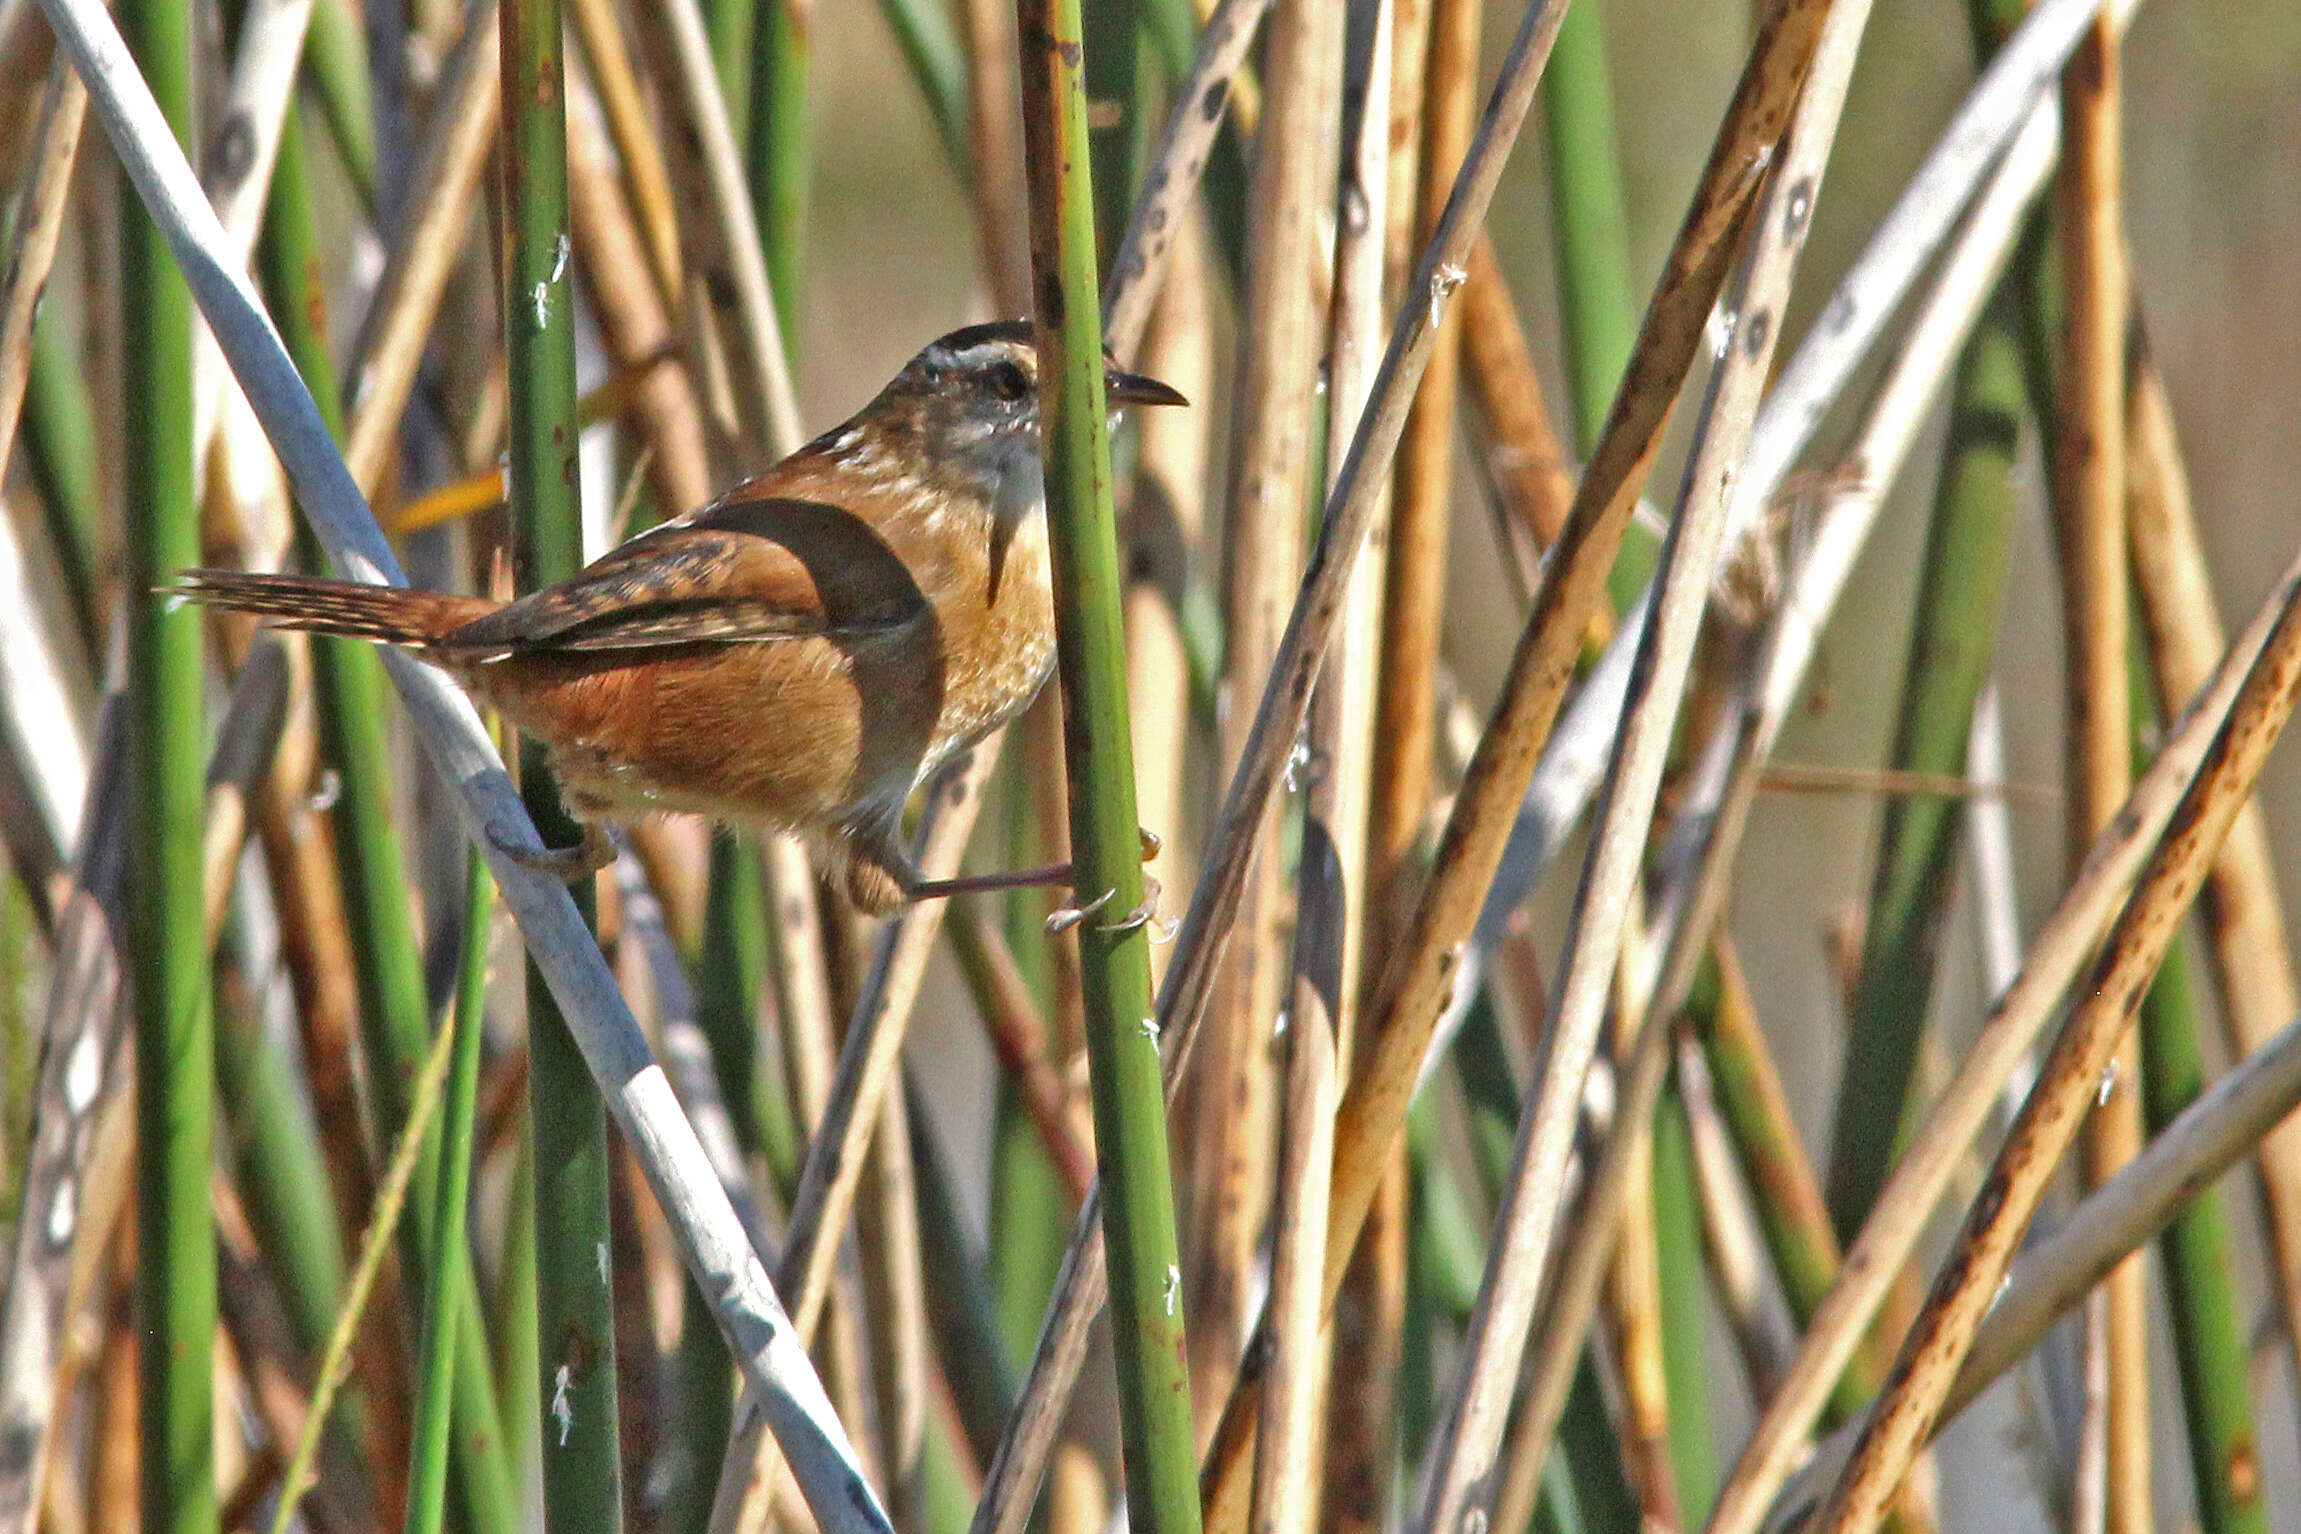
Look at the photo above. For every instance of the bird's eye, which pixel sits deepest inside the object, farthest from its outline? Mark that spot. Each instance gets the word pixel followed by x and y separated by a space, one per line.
pixel 1009 381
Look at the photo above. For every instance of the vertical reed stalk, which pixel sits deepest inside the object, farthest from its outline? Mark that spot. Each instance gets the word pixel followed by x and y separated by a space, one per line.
pixel 1114 948
pixel 394 1013
pixel 427 1481
pixel 582 1470
pixel 167 941
pixel 1361 1419
pixel 1282 339
pixel 1955 635
pixel 2246 944
pixel 2088 483
pixel 2207 1313
pixel 1415 582
pixel 1597 306
pixel 776 149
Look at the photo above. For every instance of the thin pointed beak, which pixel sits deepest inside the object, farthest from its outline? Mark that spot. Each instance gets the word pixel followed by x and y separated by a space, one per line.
pixel 1135 389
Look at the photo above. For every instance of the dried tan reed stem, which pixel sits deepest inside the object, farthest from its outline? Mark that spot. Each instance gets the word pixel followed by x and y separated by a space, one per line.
pixel 2088 483
pixel 638 147
pixel 1414 594
pixel 1231 1103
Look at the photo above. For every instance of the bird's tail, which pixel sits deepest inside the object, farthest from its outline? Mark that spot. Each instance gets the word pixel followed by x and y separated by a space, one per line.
pixel 394 615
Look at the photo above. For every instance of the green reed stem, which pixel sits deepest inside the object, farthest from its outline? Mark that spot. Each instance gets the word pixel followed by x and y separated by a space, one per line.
pixel 938 64
pixel 1114 82
pixel 732 26
pixel 778 156
pixel 582 1465
pixel 60 450
pixel 1597 304
pixel 276 1166
pixel 349 693
pixel 167 937
pixel 336 68
pixel 962 1313
pixel 1959 594
pixel 433 1418
pixel 519 1347
pixel 1681 1280
pixel 2208 1313
pixel 1114 946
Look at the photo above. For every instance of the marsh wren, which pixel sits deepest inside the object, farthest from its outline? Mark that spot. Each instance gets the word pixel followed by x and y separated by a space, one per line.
pixel 802 652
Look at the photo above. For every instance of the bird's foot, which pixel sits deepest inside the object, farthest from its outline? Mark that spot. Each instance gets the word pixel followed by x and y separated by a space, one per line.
pixel 566 864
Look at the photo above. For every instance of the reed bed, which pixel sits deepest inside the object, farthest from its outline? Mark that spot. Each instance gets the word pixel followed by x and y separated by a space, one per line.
pixel 1667 785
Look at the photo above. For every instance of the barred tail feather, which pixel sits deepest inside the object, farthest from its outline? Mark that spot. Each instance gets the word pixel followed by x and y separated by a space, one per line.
pixel 346 609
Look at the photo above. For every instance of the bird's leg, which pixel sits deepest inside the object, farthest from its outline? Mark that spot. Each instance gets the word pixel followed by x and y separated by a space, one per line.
pixel 1049 876
pixel 1046 876
pixel 566 864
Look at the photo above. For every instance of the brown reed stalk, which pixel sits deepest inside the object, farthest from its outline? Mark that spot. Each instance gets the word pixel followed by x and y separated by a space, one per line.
pixel 2070 1078
pixel 1421 506
pixel 1282 336
pixel 1370 1311
pixel 2088 485
pixel 1361 1424
pixel 1019 1039
pixel 664 407
pixel 441 193
pixel 894 1289
pixel 995 135
pixel 1529 468
pixel 1286 1479
pixel 638 147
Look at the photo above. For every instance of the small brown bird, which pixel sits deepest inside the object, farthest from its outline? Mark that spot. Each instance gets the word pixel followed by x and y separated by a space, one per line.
pixel 802 652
